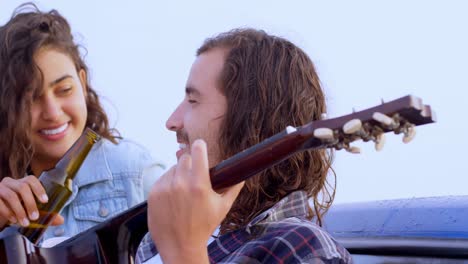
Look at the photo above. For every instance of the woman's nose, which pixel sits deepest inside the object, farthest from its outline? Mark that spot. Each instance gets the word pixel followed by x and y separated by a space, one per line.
pixel 51 109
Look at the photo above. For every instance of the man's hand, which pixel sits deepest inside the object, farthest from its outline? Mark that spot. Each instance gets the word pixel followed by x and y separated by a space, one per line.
pixel 184 210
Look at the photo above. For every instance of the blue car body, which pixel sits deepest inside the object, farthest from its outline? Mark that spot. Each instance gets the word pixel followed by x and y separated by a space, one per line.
pixel 416 230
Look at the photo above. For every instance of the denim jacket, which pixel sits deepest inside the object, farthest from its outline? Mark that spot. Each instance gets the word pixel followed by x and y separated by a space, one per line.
pixel 108 182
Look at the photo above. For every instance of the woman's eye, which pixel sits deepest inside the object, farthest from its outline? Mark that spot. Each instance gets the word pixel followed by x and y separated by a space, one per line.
pixel 65 90
pixel 36 97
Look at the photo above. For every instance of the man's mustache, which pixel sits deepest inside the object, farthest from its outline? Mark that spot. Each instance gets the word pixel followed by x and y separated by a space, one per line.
pixel 182 136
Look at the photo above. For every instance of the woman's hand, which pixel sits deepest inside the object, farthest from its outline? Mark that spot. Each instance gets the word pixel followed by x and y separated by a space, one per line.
pixel 18 201
pixel 184 210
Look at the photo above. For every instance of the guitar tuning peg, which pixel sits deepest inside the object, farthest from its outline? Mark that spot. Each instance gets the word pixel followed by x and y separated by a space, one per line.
pixel 352 126
pixel 384 119
pixel 379 142
pixel 354 150
pixel 290 129
pixel 324 133
pixel 409 134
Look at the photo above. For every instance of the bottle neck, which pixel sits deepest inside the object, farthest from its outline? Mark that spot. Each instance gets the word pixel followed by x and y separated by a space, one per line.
pixel 67 167
pixel 74 157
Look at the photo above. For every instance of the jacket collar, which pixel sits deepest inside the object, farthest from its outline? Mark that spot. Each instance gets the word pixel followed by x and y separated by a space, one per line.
pixel 95 168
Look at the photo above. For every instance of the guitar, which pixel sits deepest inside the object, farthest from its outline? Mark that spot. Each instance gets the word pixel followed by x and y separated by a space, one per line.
pixel 117 240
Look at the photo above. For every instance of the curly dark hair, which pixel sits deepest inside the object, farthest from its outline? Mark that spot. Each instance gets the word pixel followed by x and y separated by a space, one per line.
pixel 28 31
pixel 269 84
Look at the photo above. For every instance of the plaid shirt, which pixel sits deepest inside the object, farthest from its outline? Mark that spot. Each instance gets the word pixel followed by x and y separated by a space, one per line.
pixel 282 234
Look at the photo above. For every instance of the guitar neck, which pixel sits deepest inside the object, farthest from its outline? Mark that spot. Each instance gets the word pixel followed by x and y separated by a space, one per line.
pixel 260 157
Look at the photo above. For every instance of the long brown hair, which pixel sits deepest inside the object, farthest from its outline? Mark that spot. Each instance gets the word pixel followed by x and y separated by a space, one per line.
pixel 28 31
pixel 269 84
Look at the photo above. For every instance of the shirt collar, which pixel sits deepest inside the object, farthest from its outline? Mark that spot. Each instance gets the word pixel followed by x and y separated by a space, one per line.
pixel 294 204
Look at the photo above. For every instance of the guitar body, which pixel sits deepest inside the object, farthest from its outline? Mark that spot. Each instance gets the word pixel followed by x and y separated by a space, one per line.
pixel 114 241
pixel 117 240
pixel 17 249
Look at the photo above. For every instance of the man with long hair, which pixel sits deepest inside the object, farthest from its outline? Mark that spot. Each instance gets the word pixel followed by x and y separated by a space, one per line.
pixel 244 87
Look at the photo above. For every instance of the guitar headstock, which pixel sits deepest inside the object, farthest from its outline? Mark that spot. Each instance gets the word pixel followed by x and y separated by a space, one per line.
pixel 400 116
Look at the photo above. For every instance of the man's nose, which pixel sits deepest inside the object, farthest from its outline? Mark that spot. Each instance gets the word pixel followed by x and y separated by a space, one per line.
pixel 175 120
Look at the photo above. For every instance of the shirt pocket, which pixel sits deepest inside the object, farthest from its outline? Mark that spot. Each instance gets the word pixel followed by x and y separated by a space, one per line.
pixel 94 211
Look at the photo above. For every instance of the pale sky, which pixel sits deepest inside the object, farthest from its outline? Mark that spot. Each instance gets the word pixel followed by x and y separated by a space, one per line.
pixel 140 52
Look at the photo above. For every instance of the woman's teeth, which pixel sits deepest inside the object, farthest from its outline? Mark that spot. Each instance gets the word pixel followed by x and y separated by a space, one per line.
pixel 55 131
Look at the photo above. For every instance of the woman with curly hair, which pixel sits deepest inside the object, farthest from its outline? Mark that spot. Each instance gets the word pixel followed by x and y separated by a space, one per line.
pixel 46 101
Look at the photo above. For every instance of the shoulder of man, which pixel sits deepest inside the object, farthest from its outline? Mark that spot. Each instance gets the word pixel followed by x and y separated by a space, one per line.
pixel 296 240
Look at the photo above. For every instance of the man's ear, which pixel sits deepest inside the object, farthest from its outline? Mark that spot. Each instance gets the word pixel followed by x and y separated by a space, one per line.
pixel 82 74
